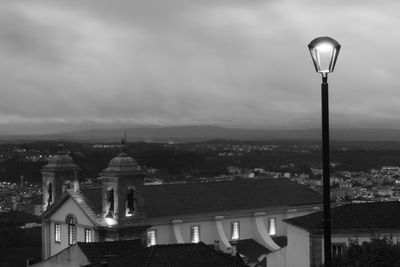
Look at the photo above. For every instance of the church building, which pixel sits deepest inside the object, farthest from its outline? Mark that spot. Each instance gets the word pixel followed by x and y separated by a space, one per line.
pixel 229 215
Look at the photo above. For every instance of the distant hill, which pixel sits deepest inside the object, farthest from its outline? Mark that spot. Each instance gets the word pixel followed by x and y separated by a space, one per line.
pixel 202 133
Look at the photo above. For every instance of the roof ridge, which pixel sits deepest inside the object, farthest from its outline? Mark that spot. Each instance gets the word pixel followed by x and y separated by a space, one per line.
pixel 80 199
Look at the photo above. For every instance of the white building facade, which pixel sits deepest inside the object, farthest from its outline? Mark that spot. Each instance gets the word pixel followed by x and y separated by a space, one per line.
pixel 219 213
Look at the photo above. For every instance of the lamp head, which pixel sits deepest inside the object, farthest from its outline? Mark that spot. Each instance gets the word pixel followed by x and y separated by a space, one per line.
pixel 324 52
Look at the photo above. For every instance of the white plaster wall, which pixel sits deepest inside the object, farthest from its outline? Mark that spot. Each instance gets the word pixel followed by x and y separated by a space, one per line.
pixel 277 258
pixel 69 257
pixel 70 207
pixel 60 216
pixel 298 247
pixel 209 233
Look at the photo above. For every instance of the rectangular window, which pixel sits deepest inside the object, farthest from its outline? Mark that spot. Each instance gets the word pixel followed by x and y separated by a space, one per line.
pixel 338 249
pixel 235 231
pixel 151 238
pixel 57 232
pixel 195 234
pixel 272 226
pixel 88 235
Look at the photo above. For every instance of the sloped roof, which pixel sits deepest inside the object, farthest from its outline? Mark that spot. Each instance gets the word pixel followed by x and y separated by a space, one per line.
pixel 92 196
pixel 196 198
pixel 361 216
pixel 251 249
pixel 80 200
pixel 190 255
pixel 100 251
pixel 201 198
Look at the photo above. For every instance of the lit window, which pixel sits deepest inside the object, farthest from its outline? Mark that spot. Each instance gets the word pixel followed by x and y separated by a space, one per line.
pixel 271 226
pixel 49 194
pixel 195 234
pixel 71 230
pixel 235 231
pixel 110 201
pixel 130 203
pixel 57 233
pixel 338 249
pixel 151 238
pixel 88 235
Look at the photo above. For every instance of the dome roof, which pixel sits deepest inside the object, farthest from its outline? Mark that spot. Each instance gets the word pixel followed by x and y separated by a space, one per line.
pixel 122 165
pixel 61 161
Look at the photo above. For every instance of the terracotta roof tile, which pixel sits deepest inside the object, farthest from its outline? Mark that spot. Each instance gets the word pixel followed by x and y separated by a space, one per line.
pixel 93 198
pixel 193 255
pixel 100 251
pixel 251 249
pixel 195 198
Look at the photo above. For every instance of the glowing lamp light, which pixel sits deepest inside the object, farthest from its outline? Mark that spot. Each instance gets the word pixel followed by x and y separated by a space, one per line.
pixel 110 222
pixel 324 52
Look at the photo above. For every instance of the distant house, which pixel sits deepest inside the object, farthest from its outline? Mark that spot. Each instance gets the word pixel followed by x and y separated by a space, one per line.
pixel 359 222
pixel 221 214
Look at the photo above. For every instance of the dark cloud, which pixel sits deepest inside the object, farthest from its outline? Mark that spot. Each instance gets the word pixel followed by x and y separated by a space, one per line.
pixel 229 62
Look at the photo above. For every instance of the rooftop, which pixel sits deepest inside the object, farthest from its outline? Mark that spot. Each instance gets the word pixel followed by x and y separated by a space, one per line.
pixel 100 251
pixel 193 255
pixel 196 198
pixel 362 216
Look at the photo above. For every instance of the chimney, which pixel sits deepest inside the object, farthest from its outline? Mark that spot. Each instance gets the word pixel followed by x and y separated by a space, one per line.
pixel 76 182
pixel 76 185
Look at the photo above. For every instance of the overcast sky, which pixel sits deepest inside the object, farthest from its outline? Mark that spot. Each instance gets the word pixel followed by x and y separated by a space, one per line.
pixel 71 64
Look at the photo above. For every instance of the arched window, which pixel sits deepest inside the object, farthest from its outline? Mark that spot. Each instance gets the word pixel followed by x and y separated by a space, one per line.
pixel 49 194
pixel 130 202
pixel 110 200
pixel 71 222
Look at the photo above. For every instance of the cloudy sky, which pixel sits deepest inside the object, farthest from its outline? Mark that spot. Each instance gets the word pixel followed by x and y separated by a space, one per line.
pixel 85 64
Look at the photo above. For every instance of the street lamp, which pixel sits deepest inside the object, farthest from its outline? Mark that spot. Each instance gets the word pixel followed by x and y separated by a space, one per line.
pixel 324 52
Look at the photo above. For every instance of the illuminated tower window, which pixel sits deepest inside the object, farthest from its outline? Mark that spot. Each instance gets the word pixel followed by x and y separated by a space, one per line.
pixel 151 238
pixel 110 201
pixel 235 231
pixel 49 194
pixel 271 226
pixel 195 234
pixel 130 202
pixel 57 232
pixel 71 222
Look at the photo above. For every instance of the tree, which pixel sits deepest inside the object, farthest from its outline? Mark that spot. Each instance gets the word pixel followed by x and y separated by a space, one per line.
pixel 377 253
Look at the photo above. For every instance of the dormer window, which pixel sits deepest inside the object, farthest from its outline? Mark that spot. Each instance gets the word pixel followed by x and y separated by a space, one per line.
pixel 272 226
pixel 130 202
pixel 235 231
pixel 110 201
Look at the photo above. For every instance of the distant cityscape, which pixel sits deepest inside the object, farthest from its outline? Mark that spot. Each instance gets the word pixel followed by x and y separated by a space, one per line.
pixel 376 184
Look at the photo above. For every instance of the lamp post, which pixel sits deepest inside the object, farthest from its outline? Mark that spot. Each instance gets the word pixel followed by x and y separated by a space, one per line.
pixel 324 52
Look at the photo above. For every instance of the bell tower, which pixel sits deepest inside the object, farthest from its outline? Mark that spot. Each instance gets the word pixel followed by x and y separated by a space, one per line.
pixel 121 195
pixel 57 176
